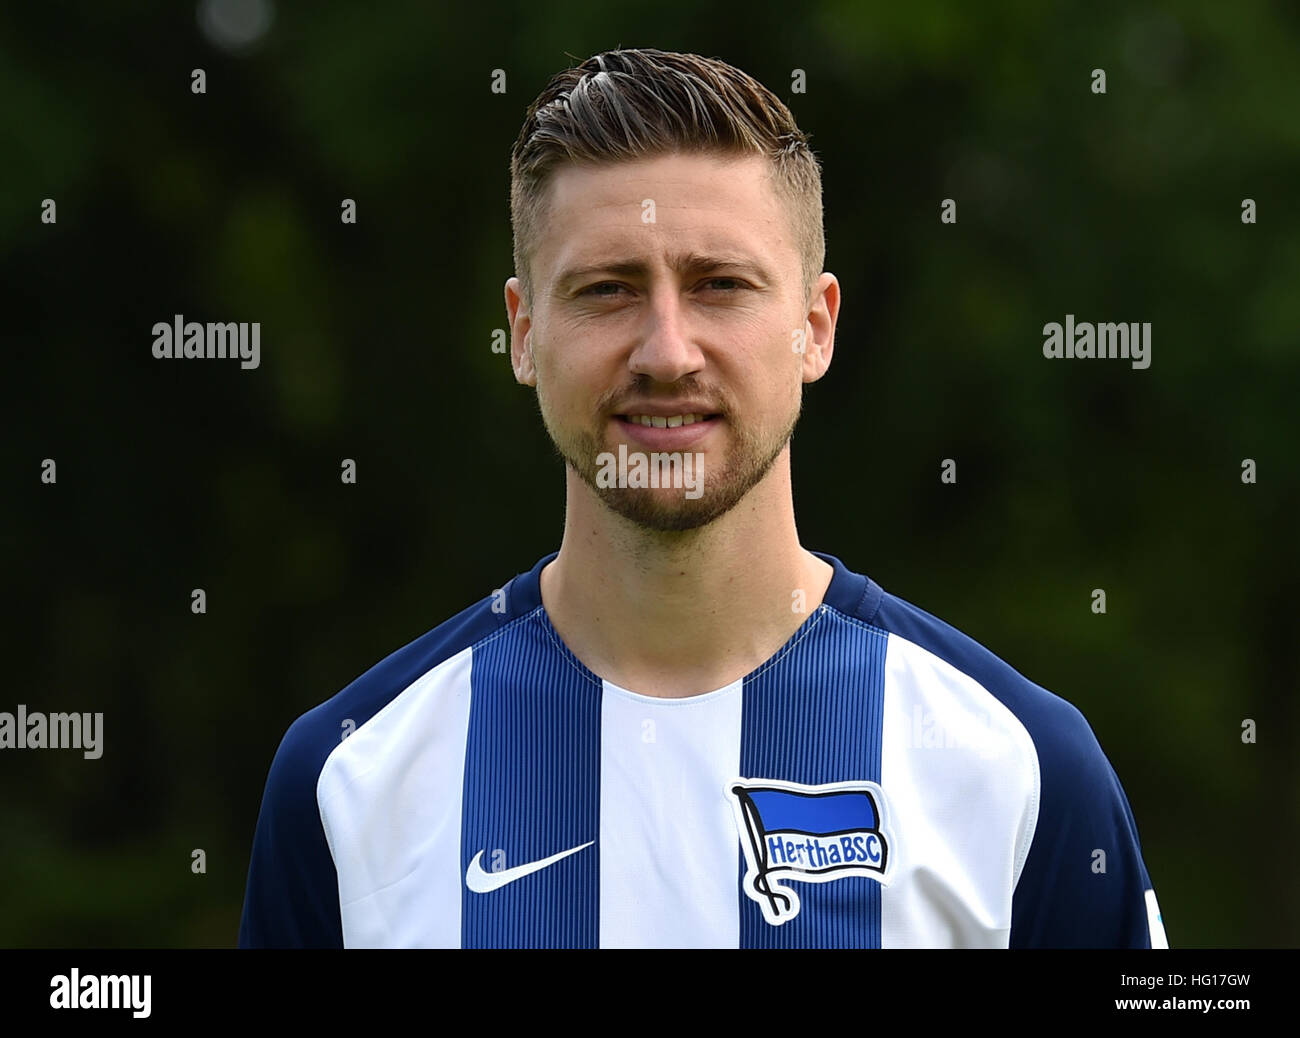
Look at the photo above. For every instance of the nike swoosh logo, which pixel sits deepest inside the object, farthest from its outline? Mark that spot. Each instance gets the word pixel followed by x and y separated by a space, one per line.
pixel 485 882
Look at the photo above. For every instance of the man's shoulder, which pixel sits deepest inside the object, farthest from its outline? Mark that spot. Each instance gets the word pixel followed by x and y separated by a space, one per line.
pixel 922 640
pixel 1084 831
pixel 314 735
pixel 294 886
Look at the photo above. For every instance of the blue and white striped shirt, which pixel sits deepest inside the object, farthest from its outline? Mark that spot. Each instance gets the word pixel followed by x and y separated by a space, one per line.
pixel 882 781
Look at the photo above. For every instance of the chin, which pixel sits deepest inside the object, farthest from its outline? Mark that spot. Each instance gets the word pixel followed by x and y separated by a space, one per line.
pixel 667 513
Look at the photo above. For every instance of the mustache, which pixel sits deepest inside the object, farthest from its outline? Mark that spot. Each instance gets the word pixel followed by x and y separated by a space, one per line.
pixel 616 402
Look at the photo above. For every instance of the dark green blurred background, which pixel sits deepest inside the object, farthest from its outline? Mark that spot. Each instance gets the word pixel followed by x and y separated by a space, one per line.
pixel 376 345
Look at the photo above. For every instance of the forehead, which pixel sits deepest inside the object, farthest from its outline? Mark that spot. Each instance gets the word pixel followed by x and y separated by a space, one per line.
pixel 705 203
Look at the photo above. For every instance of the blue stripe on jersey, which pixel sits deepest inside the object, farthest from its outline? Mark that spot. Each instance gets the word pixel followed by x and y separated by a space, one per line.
pixel 813 715
pixel 532 790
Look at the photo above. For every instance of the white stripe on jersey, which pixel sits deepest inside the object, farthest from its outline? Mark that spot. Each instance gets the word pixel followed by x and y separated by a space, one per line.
pixel 962 779
pixel 664 767
pixel 390 803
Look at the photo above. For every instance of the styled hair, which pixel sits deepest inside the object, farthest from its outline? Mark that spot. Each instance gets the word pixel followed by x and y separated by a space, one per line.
pixel 631 104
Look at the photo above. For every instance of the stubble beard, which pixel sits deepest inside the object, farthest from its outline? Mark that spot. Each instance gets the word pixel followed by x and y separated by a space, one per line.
pixel 668 509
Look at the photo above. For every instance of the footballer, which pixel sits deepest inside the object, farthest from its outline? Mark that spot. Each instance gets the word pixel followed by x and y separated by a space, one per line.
pixel 683 728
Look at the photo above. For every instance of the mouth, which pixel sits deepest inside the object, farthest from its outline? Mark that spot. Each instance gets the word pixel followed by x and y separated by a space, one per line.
pixel 667 432
pixel 665 421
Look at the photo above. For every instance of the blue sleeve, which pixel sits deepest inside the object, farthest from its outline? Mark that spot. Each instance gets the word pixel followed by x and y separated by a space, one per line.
pixel 292 897
pixel 1084 883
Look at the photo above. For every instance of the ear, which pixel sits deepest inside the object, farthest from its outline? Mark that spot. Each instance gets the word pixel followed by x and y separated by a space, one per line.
pixel 521 327
pixel 819 327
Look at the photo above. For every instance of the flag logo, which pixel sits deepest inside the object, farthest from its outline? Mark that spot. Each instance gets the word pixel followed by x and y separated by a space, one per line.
pixel 815 834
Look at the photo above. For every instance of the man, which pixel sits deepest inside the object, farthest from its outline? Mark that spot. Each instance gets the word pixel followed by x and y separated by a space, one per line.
pixel 684 729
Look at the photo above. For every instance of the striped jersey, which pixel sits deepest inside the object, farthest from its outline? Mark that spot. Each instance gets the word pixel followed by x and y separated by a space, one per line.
pixel 882 781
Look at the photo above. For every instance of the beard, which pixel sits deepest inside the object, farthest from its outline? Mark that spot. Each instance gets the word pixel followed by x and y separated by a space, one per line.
pixel 751 457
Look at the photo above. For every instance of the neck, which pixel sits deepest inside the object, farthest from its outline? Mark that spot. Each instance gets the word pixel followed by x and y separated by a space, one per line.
pixel 676 614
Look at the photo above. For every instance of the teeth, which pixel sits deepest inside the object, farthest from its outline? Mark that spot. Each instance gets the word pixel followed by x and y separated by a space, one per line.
pixel 671 422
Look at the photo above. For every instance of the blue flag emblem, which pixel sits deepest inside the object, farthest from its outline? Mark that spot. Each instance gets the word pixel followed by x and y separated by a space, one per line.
pixel 815 834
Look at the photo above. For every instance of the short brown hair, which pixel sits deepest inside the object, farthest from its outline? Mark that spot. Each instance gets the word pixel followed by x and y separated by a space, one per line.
pixel 632 104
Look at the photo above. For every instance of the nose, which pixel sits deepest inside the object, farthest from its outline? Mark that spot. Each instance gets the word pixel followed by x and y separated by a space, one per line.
pixel 666 351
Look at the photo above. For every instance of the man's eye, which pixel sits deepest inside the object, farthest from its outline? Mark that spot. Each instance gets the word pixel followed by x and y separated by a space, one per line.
pixel 594 290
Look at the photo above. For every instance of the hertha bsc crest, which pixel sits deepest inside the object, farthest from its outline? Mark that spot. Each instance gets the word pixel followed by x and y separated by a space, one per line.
pixel 814 834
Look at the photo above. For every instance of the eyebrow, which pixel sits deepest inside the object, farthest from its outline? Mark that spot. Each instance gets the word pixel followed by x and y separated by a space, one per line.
pixel 683 263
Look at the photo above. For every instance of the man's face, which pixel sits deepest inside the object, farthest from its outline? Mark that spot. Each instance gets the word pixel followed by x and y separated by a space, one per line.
pixel 667 287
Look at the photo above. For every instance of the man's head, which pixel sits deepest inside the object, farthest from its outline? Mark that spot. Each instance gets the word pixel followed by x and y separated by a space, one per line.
pixel 668 243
